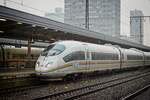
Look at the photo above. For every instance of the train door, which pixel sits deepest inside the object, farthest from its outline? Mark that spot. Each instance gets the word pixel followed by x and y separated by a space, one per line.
pixel 121 57
pixel 87 57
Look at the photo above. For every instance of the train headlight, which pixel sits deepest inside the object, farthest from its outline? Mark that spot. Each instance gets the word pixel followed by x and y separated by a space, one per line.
pixel 49 64
pixel 37 64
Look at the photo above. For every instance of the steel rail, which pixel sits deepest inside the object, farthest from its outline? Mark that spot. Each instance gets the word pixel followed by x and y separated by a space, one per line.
pixel 135 94
pixel 78 92
pixel 20 88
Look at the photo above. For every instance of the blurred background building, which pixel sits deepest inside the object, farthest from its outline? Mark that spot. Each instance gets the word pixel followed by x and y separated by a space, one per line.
pixel 136 26
pixel 104 15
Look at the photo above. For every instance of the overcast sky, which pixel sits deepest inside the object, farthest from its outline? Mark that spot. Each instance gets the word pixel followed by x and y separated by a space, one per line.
pixel 143 5
pixel 49 5
pixel 126 6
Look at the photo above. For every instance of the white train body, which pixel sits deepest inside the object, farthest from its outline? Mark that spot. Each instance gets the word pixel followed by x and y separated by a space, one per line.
pixel 72 57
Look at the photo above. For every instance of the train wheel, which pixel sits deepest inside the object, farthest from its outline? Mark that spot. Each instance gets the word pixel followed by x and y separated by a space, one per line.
pixel 71 77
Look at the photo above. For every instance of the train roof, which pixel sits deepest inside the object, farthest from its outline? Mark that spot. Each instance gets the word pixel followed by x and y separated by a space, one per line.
pixel 105 48
pixel 73 42
pixel 91 46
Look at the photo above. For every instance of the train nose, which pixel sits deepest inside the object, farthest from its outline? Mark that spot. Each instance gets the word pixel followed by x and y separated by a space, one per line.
pixel 50 64
pixel 47 66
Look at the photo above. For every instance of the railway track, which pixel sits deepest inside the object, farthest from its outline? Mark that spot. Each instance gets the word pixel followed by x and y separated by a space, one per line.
pixel 137 93
pixel 30 84
pixel 86 90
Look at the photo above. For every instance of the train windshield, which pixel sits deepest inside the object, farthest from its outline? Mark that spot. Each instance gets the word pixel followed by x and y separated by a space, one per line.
pixel 53 50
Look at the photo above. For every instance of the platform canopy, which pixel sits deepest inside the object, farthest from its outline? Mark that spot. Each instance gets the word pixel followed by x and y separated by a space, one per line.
pixel 20 25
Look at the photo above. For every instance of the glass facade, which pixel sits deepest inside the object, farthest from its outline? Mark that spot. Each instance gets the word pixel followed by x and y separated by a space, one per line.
pixel 104 15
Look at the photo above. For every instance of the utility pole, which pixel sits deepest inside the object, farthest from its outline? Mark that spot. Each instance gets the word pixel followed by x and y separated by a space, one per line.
pixel 87 15
pixel 141 30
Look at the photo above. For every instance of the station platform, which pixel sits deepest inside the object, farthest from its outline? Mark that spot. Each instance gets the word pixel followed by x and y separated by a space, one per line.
pixel 17 74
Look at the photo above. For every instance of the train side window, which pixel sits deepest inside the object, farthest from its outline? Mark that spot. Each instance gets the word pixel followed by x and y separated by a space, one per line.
pixel 134 57
pixel 115 57
pixel 78 55
pixel 147 57
pixel 104 56
pixel 53 50
pixel 130 57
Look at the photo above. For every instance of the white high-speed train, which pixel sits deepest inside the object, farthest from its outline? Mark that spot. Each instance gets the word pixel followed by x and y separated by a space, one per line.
pixel 71 58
